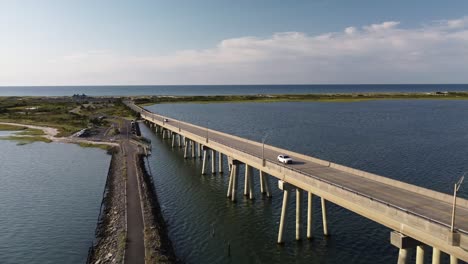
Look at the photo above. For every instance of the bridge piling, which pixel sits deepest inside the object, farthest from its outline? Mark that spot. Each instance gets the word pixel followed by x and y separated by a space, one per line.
pixel 251 185
pixel 285 187
pixel 420 254
pixel 266 185
pixel 199 150
pixel 309 215
pixel 186 145
pixel 213 161
pixel 179 141
pixel 298 214
pixel 235 172
pixel 220 162
pixel 262 187
pixel 192 148
pixel 404 244
pixel 204 162
pixel 402 255
pixel 324 217
pixel 247 175
pixel 435 256
pixel 173 141
pixel 229 192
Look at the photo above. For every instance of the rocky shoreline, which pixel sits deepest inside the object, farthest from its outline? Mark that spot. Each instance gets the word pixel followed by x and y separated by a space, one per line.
pixel 109 246
pixel 111 231
pixel 158 247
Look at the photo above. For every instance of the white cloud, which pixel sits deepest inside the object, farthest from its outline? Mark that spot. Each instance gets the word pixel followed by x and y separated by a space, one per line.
pixel 379 53
pixel 383 26
pixel 350 30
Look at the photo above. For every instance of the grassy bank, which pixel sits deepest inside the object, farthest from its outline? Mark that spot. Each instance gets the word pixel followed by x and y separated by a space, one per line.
pixel 67 114
pixel 22 140
pixel 348 97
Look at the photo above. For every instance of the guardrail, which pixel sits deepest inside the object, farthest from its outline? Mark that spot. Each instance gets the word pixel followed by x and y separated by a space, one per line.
pixel 151 116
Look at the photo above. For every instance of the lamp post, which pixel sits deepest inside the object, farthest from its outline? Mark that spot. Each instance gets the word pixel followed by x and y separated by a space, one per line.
pixel 456 187
pixel 263 148
pixel 206 134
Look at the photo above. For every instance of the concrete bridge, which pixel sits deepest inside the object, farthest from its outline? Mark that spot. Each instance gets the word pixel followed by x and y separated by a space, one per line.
pixel 421 218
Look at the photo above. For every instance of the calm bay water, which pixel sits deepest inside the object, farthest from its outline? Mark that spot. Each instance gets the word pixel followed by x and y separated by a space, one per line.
pixel 50 196
pixel 221 89
pixel 420 142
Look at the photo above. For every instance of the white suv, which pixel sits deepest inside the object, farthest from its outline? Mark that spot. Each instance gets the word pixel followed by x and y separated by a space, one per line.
pixel 285 159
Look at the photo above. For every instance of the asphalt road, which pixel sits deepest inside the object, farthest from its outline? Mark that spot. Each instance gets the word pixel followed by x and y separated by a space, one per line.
pixel 135 249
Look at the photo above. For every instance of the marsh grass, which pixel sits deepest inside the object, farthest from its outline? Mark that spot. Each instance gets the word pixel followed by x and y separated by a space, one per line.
pixel 23 140
pixel 11 128
pixel 331 98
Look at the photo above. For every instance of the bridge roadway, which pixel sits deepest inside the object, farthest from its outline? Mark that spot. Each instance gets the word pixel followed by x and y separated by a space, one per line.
pixel 416 212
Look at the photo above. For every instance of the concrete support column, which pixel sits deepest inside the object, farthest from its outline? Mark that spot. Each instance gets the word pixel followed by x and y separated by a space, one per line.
pixel 402 256
pixel 262 187
pixel 324 217
pixel 298 214
pixel 213 162
pixel 229 192
pixel 309 215
pixel 246 180
pixel 404 243
pixel 266 184
pixel 204 162
pixel 179 140
pixel 235 173
pixel 192 147
pixel 173 142
pixel 199 150
pixel 248 184
pixel 186 145
pixel 453 259
pixel 251 183
pixel 420 254
pixel 435 256
pixel 285 187
pixel 220 162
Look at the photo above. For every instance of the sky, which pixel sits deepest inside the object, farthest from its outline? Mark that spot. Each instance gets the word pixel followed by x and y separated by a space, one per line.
pixel 143 42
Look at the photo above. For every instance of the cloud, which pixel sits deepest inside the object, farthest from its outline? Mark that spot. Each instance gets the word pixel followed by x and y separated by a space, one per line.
pixel 350 30
pixel 383 26
pixel 377 53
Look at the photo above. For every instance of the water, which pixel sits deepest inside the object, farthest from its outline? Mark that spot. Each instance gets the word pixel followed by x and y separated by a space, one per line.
pixel 50 196
pixel 420 142
pixel 222 89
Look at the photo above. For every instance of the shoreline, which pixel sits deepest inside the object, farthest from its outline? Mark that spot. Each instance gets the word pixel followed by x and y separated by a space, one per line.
pixel 50 134
pixel 319 97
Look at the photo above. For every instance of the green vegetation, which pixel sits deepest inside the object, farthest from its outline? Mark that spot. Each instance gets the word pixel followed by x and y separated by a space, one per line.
pixel 67 114
pixel 23 140
pixel 11 128
pixel 348 97
pixel 121 244
pixel 90 145
pixel 31 132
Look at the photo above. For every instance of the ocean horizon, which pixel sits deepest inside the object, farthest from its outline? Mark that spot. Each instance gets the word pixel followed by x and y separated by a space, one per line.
pixel 192 90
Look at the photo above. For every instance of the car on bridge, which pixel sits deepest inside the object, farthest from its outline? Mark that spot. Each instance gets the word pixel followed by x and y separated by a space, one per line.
pixel 285 159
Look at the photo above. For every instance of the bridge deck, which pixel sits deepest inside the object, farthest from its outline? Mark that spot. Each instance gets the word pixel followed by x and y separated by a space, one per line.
pixel 422 205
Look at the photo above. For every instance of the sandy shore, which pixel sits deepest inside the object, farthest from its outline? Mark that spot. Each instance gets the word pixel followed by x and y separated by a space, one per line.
pixel 50 133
